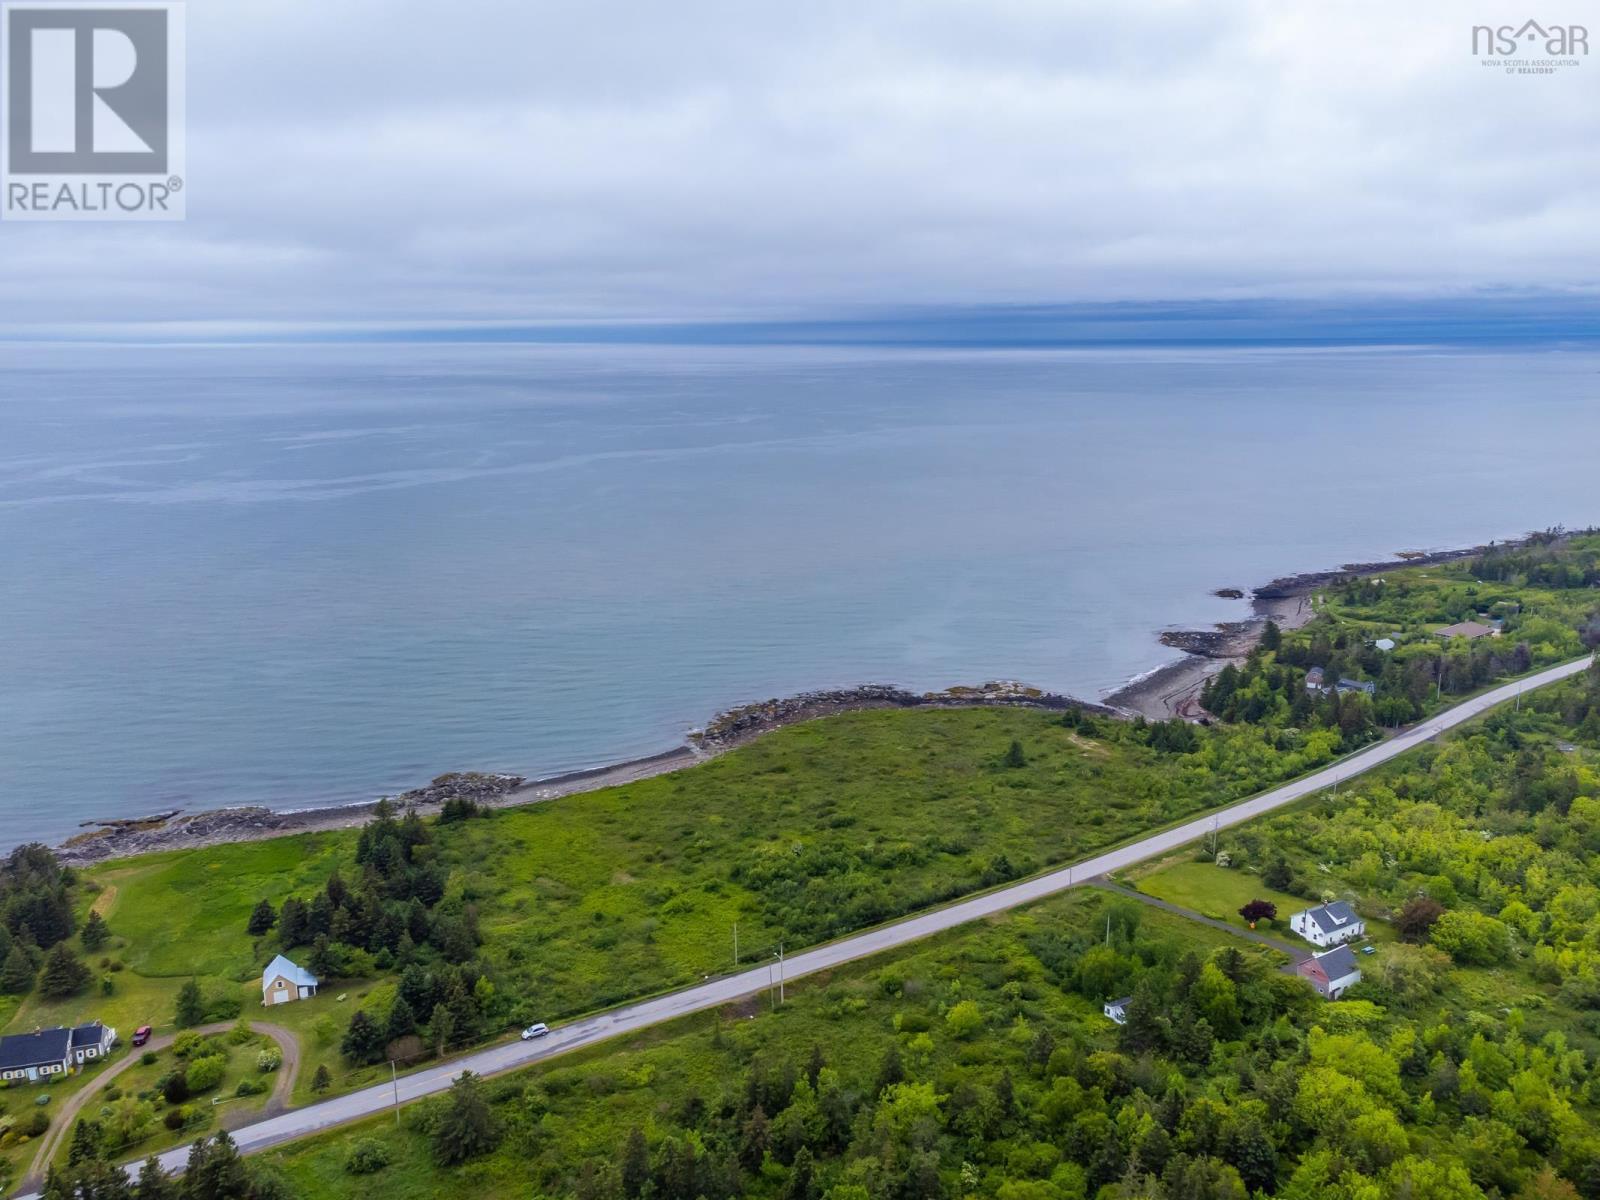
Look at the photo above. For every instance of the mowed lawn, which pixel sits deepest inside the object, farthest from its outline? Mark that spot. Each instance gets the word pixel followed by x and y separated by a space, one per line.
pixel 1219 892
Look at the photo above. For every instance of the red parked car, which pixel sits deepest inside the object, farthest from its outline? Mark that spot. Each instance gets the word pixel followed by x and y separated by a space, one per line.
pixel 141 1035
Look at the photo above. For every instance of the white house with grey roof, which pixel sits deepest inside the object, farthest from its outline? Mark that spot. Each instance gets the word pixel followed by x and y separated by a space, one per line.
pixel 1333 972
pixel 1330 925
pixel 284 981
pixel 1117 1010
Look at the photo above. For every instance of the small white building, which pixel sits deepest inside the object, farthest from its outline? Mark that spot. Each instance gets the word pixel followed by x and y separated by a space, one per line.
pixel 1384 644
pixel 92 1041
pixel 283 981
pixel 1333 972
pixel 1117 1010
pixel 1331 925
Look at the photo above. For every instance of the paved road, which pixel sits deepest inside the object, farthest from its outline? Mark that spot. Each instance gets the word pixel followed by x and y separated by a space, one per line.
pixel 316 1117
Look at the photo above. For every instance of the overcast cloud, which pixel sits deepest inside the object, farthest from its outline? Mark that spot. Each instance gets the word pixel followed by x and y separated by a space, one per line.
pixel 366 161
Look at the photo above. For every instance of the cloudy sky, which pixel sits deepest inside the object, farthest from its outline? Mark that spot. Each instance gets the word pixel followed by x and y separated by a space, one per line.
pixel 391 162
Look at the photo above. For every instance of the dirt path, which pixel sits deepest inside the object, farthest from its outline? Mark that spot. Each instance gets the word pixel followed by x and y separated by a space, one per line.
pixel 1297 954
pixel 62 1122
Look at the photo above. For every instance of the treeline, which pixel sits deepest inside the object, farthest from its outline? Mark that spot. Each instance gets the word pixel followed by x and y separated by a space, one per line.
pixel 394 913
pixel 433 1009
pixel 216 1171
pixel 36 923
pixel 1552 560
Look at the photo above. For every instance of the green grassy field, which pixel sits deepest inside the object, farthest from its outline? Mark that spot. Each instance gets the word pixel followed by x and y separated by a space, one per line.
pixel 594 899
pixel 1217 892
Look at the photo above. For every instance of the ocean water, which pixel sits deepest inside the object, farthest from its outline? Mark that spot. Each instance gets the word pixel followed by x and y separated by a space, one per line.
pixel 297 575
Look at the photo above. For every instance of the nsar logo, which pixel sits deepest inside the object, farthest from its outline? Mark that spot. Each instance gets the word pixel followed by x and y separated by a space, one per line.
pixel 1531 48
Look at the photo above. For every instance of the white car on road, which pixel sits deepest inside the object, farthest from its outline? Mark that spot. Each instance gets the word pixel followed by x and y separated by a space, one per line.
pixel 535 1031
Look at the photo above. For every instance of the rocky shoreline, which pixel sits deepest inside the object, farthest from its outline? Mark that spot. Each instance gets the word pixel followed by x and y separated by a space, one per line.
pixel 739 725
pixel 1171 690
pixel 175 830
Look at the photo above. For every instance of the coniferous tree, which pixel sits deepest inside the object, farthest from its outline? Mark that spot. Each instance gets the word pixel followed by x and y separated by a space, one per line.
pixel 635 1164
pixel 16 976
pixel 154 1183
pixel 467 1128
pixel 95 934
pixel 293 927
pixel 363 1041
pixel 63 975
pixel 86 1141
pixel 191 1009
pixel 262 918
pixel 402 1021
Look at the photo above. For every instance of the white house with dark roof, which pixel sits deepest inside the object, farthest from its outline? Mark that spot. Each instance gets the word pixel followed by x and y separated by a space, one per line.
pixel 1333 972
pixel 284 981
pixel 92 1041
pixel 1330 925
pixel 1117 1010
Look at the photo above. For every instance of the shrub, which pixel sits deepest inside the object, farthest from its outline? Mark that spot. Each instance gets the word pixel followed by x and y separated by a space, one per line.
pixel 366 1156
pixel 249 1087
pixel 964 1020
pixel 177 1116
pixel 269 1059
pixel 148 1058
pixel 205 1073
pixel 1472 938
pixel 191 1045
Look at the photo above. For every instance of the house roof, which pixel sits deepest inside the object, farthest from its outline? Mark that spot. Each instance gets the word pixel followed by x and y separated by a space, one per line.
pixel 1356 685
pixel 88 1035
pixel 1314 675
pixel 296 975
pixel 46 1048
pixel 1467 629
pixel 1384 643
pixel 1121 1003
pixel 1331 918
pixel 1337 963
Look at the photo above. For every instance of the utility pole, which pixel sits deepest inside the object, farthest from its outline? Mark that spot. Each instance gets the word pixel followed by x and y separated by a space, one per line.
pixel 1108 929
pixel 394 1079
pixel 780 972
pixel 736 943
